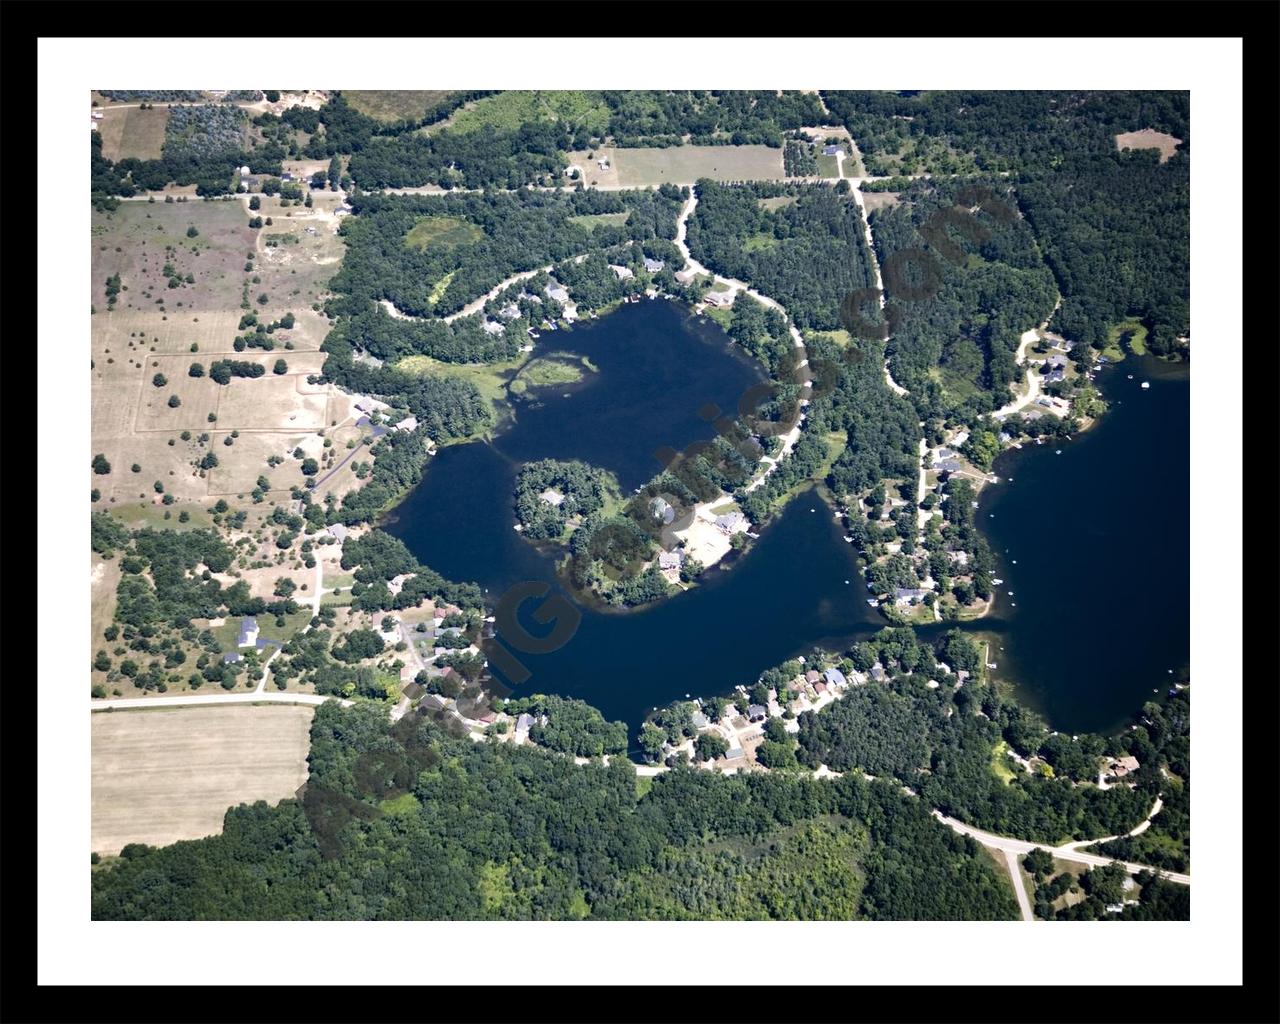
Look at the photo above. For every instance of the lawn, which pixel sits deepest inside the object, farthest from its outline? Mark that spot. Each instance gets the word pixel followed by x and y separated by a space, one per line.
pixel 1130 334
pixel 544 371
pixel 1000 762
pixel 760 240
pixel 442 233
pixel 775 203
pixel 828 167
pixel 171 773
pixel 394 104
pixel 136 515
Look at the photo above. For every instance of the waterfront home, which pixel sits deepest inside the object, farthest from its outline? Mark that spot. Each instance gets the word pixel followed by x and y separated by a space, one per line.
pixel 699 720
pixel 407 424
pixel 757 713
pixel 552 497
pixel 1122 766
pixel 721 300
pixel 623 273
pixel 834 677
pixel 812 676
pixel 492 327
pixel 653 266
pixel 878 673
pixel 555 292
pixel 670 559
pixel 509 312
pixel 525 722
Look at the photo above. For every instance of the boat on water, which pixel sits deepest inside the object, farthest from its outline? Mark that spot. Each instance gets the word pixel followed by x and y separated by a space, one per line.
pixel 1146 384
pixel 997 581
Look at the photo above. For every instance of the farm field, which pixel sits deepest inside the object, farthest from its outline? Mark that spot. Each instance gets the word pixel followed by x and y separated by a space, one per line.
pixel 681 165
pixel 171 773
pixel 508 110
pixel 129 132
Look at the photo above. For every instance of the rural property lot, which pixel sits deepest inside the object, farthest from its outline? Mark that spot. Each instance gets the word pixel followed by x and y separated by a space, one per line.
pixel 170 774
pixel 132 421
pixel 681 165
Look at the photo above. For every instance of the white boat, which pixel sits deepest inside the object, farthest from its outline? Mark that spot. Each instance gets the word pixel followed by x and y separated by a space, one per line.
pixel 997 581
pixel 1146 384
pixel 1058 451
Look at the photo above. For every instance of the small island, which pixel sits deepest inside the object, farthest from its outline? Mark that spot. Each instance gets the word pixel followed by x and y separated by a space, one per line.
pixel 553 498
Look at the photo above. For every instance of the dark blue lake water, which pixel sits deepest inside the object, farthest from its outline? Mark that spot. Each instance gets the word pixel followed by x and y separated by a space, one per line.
pixel 1100 534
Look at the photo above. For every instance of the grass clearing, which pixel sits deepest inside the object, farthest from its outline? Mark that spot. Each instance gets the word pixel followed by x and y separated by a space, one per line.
pixel 760 240
pixel 1148 138
pixel 828 166
pixel 490 378
pixel 644 783
pixel 1000 763
pixel 879 200
pixel 129 132
pixel 442 233
pixel 171 773
pixel 1129 335
pixel 388 105
pixel 544 371
pixel 591 221
pixel 775 203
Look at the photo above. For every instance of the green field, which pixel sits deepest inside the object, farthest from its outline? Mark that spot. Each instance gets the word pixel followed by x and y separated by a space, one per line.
pixel 686 164
pixel 1000 762
pixel 442 233
pixel 137 515
pixel 394 104
pixel 776 203
pixel 509 110
pixel 828 167
pixel 591 221
pixel 544 371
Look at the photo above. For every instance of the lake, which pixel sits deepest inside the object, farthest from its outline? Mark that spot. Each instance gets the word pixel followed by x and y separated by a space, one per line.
pixel 1091 529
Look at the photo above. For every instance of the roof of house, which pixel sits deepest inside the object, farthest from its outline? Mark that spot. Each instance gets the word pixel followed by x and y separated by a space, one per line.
pixel 670 560
pixel 557 293
pixel 408 423
pixel 248 631
pixel 830 150
pixel 834 676
pixel 524 722
pixel 699 720
pixel 230 658
pixel 757 711
pixel 510 311
pixel 812 676
pixel 622 272
pixel 492 327
pixel 653 265
pixel 908 593
pixel 338 531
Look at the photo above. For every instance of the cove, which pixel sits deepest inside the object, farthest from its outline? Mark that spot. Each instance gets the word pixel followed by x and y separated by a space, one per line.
pixel 1100 611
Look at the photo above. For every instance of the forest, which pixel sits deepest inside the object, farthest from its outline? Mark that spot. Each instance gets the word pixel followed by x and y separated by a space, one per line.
pixel 807 255
pixel 961 287
pixel 412 822
pixel 1114 227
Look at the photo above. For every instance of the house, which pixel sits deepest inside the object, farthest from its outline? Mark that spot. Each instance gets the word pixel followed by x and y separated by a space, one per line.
pixel 653 266
pixel 721 300
pixel 1005 437
pixel 662 510
pixel 1122 766
pixel 492 327
pixel 733 752
pixel 396 583
pixel 411 689
pixel 757 712
pixel 408 674
pixel 230 658
pixel 830 150
pixel 556 292
pixel 686 275
pixel 488 718
pixel 904 596
pixel 338 532
pixel 431 702
pixel 248 632
pixel 510 311
pixel 552 497
pixel 603 163
pixel 733 522
pixel 250 181
pixel 948 466
pixel 624 273
pixel 1054 376
pixel 699 720
pixel 370 405
pixel 408 423
pixel 812 676
pixel 834 677
pixel 245 170
pixel 1057 362
pixel 819 688
pixel 878 673
pixel 525 722
pixel 670 559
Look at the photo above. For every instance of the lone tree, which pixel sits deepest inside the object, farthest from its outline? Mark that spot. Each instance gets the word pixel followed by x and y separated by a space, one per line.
pixel 196 370
pixel 280 367
pixel 101 465
pixel 710 745
pixel 192 232
pixel 310 467
pixel 174 401
pixel 159 380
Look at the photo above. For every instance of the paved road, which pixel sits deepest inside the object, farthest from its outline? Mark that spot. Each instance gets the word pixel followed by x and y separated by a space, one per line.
pixel 1066 852
pixel 1019 885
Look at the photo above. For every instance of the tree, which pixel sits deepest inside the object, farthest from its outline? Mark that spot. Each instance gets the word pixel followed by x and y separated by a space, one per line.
pixel 1039 862
pixel 284 587
pixel 135 468
pixel 195 370
pixel 174 401
pixel 100 464
pixel 255 203
pixel 102 662
pixel 192 232
pixel 159 380
pixel 651 740
pixel 281 367
pixel 310 467
pixel 710 745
